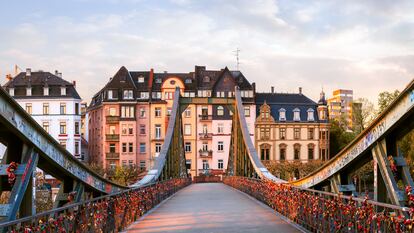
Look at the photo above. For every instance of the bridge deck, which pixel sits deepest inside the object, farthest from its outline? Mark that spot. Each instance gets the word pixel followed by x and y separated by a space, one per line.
pixel 211 207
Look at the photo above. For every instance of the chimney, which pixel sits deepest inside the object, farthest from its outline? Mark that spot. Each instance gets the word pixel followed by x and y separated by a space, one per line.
pixel 60 75
pixel 28 71
pixel 56 72
pixel 300 90
pixel 254 87
pixel 74 83
pixel 151 79
pixel 273 89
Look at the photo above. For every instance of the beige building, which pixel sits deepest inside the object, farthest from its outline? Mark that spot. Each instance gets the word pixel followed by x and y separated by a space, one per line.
pixel 291 127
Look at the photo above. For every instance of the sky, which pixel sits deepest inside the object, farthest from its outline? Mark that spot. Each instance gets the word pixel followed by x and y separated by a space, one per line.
pixel 367 46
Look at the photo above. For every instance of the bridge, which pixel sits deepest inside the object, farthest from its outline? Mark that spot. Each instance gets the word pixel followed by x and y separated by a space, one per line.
pixel 317 203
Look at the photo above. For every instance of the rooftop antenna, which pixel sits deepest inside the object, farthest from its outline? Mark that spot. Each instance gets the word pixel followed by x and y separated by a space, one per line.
pixel 237 51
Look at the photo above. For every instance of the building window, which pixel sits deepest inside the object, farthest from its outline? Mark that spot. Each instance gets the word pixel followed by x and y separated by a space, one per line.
pixel 220 128
pixel 63 144
pixel 112 165
pixel 187 147
pixel 112 129
pixel 157 112
pixel 46 126
pixel 124 147
pixel 142 112
pixel 77 127
pixel 220 111
pixel 246 111
pixel 206 79
pixel 77 148
pixel 311 133
pixel 63 91
pixel 311 115
pixel 265 152
pixel 310 152
pixel 205 146
pixel 205 131
pixel 141 129
pixel 188 163
pixel 127 111
pixel 144 95
pixel 296 114
pixel 296 152
pixel 220 164
pixel 188 80
pixel 124 163
pixel 169 110
pixel 158 80
pixel 157 131
pixel 62 108
pixel 220 146
pixel 187 112
pixel 265 133
pixel 110 94
pixel 282 133
pixel 29 108
pixel 140 79
pixel 142 147
pixel 187 129
pixel 128 95
pixel 45 108
pixel 112 148
pixel 157 147
pixel 124 129
pixel 142 165
pixel 205 165
pixel 283 154
pixel 131 147
pixel 45 90
pixel 62 127
pixel 282 114
pixel 296 133
pixel 168 95
pixel 131 129
pixel 76 108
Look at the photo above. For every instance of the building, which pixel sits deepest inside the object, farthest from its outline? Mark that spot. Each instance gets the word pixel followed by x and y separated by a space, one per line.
pixel 291 127
pixel 137 105
pixel 340 107
pixel 53 102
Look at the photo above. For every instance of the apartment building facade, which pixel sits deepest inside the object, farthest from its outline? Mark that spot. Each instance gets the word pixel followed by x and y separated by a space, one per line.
pixel 291 127
pixel 53 102
pixel 340 107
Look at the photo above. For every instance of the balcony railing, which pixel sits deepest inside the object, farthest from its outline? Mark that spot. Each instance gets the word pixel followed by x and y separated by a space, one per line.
pixel 205 135
pixel 205 153
pixel 204 117
pixel 112 119
pixel 112 137
pixel 112 155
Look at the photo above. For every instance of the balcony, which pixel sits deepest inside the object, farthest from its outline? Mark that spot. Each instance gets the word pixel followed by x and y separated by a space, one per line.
pixel 205 136
pixel 112 119
pixel 205 153
pixel 204 117
pixel 112 137
pixel 112 155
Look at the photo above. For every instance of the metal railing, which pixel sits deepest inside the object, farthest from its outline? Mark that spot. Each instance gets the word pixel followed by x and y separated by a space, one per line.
pixel 319 211
pixel 110 213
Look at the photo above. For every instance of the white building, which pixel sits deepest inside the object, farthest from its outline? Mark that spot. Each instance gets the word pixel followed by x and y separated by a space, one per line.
pixel 53 102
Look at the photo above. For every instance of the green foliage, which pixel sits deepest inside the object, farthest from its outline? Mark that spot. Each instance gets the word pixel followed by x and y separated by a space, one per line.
pixel 385 98
pixel 363 112
pixel 123 175
pixel 286 170
pixel 339 137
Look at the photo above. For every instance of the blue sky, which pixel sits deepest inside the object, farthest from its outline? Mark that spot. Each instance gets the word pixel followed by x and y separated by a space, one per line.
pixel 367 45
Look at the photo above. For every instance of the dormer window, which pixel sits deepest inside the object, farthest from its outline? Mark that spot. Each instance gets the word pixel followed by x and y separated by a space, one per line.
pixel 206 79
pixel 282 114
pixel 311 115
pixel 28 91
pixel 62 90
pixel 188 80
pixel 144 95
pixel 45 90
pixel 11 91
pixel 296 114
pixel 110 94
pixel 158 80
pixel 128 95
pixel 140 79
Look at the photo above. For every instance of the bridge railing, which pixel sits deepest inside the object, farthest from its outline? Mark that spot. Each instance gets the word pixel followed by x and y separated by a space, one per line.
pixel 319 211
pixel 110 213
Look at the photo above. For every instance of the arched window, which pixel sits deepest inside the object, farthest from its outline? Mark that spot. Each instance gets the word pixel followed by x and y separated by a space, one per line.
pixel 220 111
pixel 311 114
pixel 282 114
pixel 311 151
pixel 282 152
pixel 296 152
pixel 265 151
pixel 296 114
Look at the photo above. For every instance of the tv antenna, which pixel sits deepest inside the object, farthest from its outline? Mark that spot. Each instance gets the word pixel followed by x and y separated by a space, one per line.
pixel 237 51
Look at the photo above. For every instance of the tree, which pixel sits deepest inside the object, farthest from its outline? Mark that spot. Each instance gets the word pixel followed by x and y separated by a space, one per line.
pixel 339 137
pixel 385 98
pixel 363 112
